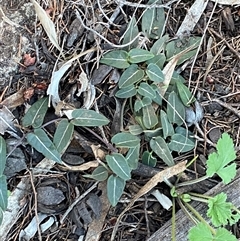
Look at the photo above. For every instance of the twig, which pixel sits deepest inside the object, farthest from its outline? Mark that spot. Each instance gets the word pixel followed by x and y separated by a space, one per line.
pixel 77 200
pixel 35 206
pixel 99 35
pixel 154 5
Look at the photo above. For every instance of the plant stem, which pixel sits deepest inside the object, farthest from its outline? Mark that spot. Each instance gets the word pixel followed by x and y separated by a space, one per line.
pixel 192 181
pixel 173 219
pixel 199 217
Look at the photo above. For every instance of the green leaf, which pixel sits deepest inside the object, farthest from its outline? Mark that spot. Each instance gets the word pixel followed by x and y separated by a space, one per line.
pixel 115 188
pixel 146 90
pixel 139 55
pixel 40 141
pixel 119 165
pixel 155 73
pixel 219 210
pixel 132 157
pixel 1 216
pixel 2 155
pixel 63 135
pixel 3 192
pixel 116 58
pixel 126 92
pixel 178 45
pixel 153 21
pixel 175 109
pixel 166 125
pixel 135 129
pixel 139 104
pixel 99 174
pixel 153 133
pixel 158 98
pixel 130 76
pixel 83 117
pixel 148 159
pixel 202 232
pixel 126 140
pixel 36 113
pixel 160 147
pixel 159 45
pixel 158 60
pixel 219 162
pixel 176 77
pixel 150 118
pixel 185 94
pixel 181 143
pixel 131 33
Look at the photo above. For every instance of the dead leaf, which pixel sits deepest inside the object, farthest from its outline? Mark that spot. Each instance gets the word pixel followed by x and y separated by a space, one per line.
pixel 47 24
pixel 14 100
pixel 159 177
pixel 82 167
pixel 28 60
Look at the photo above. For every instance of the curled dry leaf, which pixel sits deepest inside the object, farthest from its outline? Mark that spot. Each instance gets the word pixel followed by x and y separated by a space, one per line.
pixel 82 167
pixel 47 24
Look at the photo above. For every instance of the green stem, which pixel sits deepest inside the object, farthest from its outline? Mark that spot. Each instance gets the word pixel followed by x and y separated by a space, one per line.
pixel 200 218
pixel 173 219
pixel 192 181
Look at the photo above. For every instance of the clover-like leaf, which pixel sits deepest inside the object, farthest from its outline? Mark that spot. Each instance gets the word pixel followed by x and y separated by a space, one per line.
pixel 135 129
pixel 115 188
pixel 36 113
pixel 218 162
pixel 219 210
pixel 132 157
pixel 166 125
pixel 99 174
pixel 185 94
pixel 130 76
pixel 139 104
pixel 148 159
pixel 116 58
pixel 146 90
pixel 159 45
pixel 119 165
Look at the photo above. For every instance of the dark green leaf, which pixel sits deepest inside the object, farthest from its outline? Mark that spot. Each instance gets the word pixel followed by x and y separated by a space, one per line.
pixel 99 174
pixel 153 21
pixel 132 157
pixel 2 155
pixel 159 45
pixel 153 133
pixel 175 109
pixel 150 118
pixel 154 73
pixel 185 94
pixel 83 117
pixel 116 58
pixel 125 140
pixel 130 34
pixel 119 165
pixel 148 159
pixel 158 98
pixel 139 104
pixel 181 143
pixel 3 192
pixel 160 147
pixel 63 135
pixel 135 129
pixel 158 60
pixel 126 92
pixel 115 188
pixel 130 76
pixel 178 45
pixel 146 90
pixel 40 141
pixel 139 55
pixel 166 125
pixel 176 77
pixel 36 113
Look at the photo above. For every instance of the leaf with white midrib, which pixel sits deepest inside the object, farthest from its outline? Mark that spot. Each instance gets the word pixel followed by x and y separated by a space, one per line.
pixel 40 141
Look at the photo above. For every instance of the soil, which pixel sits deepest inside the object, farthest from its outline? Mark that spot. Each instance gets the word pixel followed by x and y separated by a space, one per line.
pixel 22 38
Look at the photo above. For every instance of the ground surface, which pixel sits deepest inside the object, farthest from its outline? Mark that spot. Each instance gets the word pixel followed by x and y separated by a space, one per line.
pixel 27 60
